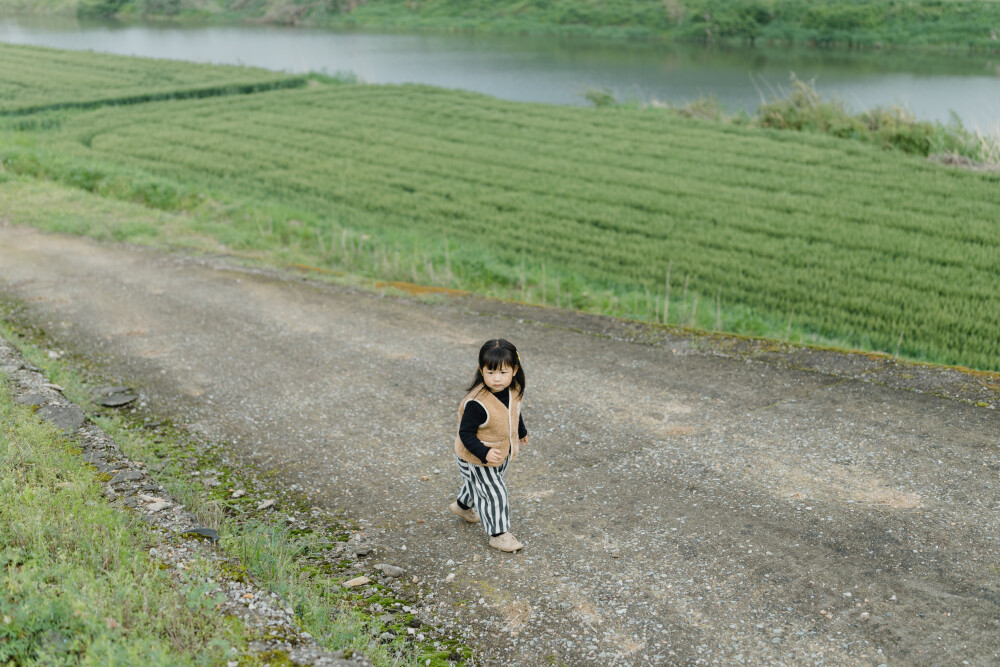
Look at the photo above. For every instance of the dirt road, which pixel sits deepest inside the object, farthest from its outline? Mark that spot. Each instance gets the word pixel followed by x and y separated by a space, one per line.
pixel 677 506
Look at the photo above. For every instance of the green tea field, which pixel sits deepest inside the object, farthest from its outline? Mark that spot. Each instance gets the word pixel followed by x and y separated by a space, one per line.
pixel 37 79
pixel 758 231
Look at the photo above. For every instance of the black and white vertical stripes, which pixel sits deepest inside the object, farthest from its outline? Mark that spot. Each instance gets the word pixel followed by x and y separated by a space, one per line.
pixel 484 490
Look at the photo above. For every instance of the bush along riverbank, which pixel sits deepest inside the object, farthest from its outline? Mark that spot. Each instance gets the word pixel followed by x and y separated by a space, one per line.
pixel 801 108
pixel 126 540
pixel 957 24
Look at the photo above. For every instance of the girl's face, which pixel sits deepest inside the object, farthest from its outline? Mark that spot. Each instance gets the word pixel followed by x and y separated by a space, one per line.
pixel 497 379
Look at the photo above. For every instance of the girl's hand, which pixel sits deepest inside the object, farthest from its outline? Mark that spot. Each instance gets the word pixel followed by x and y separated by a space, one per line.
pixel 494 456
pixel 524 440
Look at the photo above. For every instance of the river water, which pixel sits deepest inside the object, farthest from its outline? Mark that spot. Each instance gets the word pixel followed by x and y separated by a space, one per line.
pixel 559 71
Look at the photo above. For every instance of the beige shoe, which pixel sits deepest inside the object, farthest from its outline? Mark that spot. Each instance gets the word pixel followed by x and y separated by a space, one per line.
pixel 505 542
pixel 468 514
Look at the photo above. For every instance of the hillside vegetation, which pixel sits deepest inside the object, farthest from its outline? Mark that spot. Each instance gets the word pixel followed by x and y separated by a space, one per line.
pixel 637 213
pixel 968 24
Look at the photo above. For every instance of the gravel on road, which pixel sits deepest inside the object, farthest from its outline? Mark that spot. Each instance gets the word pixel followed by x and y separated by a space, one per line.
pixel 679 504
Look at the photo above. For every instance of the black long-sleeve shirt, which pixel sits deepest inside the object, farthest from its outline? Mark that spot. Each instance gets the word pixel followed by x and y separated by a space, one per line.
pixel 475 416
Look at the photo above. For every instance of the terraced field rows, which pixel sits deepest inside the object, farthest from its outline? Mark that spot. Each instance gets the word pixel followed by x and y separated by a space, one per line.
pixel 854 243
pixel 35 79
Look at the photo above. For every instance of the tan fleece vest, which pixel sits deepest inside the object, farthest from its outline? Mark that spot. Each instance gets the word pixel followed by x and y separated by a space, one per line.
pixel 500 429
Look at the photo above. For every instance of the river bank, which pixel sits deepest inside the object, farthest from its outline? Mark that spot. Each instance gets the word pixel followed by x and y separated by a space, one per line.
pixel 966 25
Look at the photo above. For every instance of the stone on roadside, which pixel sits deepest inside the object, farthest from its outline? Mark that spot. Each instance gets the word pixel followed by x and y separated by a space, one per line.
pixel 239 493
pixel 389 570
pixel 201 532
pixel 117 400
pixel 126 476
pixel 67 418
pixel 357 581
pixel 31 399
pixel 266 504
pixel 113 396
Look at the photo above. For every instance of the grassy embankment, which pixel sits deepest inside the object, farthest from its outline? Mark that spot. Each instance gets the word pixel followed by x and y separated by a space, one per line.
pixel 77 585
pixel 966 24
pixel 759 232
pixel 75 582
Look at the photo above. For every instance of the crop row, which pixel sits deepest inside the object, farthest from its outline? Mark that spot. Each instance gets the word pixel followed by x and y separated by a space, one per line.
pixel 36 79
pixel 857 243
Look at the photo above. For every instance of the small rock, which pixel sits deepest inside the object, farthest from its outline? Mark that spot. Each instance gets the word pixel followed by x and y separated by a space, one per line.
pixel 357 581
pixel 126 476
pixel 202 533
pixel 117 400
pixel 424 478
pixel 387 637
pixel 389 570
pixel 156 507
pixel 450 578
pixel 865 615
pixel 239 493
pixel 67 418
pixel 266 504
pixel 31 399
pixel 210 482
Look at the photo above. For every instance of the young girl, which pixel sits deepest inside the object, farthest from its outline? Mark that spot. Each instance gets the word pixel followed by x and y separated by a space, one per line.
pixel 490 431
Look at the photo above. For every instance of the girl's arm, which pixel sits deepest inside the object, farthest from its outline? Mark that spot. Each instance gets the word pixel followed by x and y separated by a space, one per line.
pixel 473 417
pixel 522 432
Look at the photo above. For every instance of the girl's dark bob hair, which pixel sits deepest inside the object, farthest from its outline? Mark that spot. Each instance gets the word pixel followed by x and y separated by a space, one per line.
pixel 495 354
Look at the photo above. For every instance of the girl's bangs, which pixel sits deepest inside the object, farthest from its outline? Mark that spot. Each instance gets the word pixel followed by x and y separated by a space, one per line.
pixel 496 358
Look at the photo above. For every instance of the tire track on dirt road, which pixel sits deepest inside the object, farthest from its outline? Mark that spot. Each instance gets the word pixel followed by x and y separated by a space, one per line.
pixel 677 507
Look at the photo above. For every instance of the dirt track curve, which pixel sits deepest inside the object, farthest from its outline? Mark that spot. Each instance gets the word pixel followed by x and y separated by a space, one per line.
pixel 678 507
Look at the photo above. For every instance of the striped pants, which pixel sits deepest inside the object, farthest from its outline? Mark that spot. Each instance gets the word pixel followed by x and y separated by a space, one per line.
pixel 484 490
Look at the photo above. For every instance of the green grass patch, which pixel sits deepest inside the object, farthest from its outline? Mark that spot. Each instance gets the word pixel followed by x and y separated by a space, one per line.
pixel 75 584
pixel 761 232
